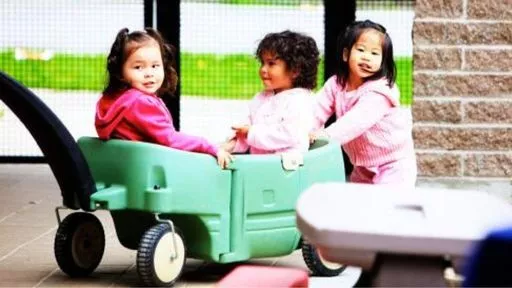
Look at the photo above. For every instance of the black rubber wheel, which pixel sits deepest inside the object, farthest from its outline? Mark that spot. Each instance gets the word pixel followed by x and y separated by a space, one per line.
pixel 318 265
pixel 154 264
pixel 79 244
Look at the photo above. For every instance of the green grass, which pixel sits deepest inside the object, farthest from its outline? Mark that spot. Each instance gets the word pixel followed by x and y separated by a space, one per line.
pixel 222 76
pixel 218 76
pixel 404 79
pixel 236 76
pixel 63 71
pixel 360 4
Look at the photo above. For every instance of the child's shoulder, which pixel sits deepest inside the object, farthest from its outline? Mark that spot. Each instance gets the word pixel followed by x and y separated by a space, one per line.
pixel 140 96
pixel 135 98
pixel 298 91
pixel 332 85
pixel 262 94
pixel 297 94
pixel 332 82
pixel 381 86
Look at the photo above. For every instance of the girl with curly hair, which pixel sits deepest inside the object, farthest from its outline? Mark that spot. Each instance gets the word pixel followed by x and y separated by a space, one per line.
pixel 280 116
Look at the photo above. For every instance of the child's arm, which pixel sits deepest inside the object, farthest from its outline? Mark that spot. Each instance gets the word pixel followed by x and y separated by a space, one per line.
pixel 238 141
pixel 364 114
pixel 325 101
pixel 235 145
pixel 155 122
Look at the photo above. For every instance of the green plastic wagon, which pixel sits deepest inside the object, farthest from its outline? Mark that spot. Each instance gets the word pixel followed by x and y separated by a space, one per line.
pixel 169 205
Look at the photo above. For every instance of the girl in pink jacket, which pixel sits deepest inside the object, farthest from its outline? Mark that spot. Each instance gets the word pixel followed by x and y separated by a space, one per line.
pixel 140 67
pixel 280 116
pixel 374 131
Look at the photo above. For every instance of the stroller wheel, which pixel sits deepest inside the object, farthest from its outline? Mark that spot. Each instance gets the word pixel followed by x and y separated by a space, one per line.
pixel 79 244
pixel 160 258
pixel 317 264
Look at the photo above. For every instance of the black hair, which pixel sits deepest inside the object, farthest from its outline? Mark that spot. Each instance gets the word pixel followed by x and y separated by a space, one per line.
pixel 349 37
pixel 298 51
pixel 124 45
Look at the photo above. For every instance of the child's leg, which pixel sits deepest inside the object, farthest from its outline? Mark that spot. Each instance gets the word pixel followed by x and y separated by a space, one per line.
pixel 402 172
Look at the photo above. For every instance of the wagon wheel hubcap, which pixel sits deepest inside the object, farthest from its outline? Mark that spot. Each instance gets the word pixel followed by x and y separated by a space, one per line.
pixel 168 269
pixel 87 244
pixel 330 265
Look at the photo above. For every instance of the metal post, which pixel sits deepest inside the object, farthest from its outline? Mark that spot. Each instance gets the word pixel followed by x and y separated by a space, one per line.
pixel 338 14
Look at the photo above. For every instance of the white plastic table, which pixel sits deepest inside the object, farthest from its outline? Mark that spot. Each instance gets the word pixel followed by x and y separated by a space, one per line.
pixel 397 237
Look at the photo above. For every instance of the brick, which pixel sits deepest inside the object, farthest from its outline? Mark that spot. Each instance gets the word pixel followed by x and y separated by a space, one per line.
pixel 488 112
pixel 477 139
pixel 462 85
pixel 443 59
pixel 496 165
pixel 436 111
pixel 489 60
pixel 462 33
pixel 432 165
pixel 490 9
pixel 438 8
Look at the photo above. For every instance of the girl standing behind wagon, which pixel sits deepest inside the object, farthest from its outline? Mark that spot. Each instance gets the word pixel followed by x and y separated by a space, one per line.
pixel 140 68
pixel 374 131
pixel 280 116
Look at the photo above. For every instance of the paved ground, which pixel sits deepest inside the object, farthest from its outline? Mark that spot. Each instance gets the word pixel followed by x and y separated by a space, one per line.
pixel 28 196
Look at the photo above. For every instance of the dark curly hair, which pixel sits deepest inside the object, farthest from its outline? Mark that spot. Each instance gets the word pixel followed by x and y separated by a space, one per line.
pixel 128 42
pixel 349 37
pixel 298 51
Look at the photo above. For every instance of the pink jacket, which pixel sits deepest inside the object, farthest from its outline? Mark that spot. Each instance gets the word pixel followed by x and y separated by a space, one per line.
pixel 279 122
pixel 370 125
pixel 134 115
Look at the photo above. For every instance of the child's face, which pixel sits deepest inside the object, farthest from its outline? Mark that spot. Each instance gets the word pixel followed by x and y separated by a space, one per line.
pixel 275 74
pixel 144 69
pixel 365 55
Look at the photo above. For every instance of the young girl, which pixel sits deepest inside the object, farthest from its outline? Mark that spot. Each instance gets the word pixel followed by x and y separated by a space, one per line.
pixel 280 116
pixel 140 68
pixel 374 131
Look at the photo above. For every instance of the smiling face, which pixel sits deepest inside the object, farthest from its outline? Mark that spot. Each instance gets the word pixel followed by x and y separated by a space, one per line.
pixel 275 74
pixel 144 69
pixel 365 57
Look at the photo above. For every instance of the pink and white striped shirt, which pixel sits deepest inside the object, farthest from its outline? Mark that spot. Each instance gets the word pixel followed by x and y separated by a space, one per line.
pixel 279 122
pixel 370 125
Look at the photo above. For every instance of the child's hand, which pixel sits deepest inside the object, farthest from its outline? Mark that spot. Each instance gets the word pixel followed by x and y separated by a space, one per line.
pixel 223 158
pixel 229 145
pixel 313 136
pixel 241 131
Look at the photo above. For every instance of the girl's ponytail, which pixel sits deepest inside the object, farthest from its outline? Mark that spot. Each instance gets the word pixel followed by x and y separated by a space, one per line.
pixel 115 62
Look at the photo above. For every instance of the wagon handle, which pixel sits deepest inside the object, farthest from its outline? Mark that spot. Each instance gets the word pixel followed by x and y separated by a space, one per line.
pixel 57 209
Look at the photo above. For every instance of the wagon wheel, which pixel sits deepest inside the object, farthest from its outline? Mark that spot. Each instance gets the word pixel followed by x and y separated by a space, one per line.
pixel 317 264
pixel 154 256
pixel 79 244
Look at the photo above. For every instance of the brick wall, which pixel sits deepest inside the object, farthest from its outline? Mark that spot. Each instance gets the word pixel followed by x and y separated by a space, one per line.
pixel 463 89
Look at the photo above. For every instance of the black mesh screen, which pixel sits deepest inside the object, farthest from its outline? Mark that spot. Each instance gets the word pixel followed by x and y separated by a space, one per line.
pixel 57 48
